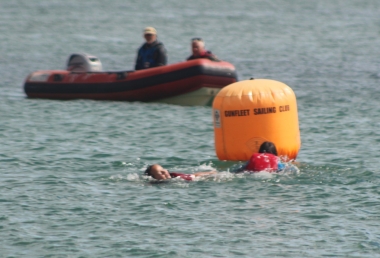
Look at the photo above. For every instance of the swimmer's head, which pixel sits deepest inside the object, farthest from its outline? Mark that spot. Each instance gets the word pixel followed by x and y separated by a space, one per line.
pixel 157 172
pixel 268 147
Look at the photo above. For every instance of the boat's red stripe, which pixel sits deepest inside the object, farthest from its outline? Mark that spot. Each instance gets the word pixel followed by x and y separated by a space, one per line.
pixel 160 82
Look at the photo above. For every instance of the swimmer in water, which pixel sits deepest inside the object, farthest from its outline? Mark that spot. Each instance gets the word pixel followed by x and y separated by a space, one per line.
pixel 158 172
pixel 265 160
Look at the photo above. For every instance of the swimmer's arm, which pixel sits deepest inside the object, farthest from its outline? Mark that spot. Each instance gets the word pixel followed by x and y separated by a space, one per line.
pixel 281 166
pixel 205 173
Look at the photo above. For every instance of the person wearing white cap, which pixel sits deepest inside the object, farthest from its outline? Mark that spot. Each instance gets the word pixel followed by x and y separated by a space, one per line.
pixel 152 53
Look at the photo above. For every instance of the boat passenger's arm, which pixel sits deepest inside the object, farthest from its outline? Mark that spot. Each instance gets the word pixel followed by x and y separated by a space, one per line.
pixel 161 58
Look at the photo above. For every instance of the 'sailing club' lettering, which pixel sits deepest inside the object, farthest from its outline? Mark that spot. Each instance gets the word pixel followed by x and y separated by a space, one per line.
pixel 256 111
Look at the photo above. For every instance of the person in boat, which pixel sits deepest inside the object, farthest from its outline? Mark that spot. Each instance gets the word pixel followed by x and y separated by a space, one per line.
pixel 158 172
pixel 265 160
pixel 152 53
pixel 199 51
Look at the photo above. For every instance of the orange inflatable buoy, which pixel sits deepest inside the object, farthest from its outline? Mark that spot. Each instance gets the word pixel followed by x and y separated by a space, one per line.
pixel 250 112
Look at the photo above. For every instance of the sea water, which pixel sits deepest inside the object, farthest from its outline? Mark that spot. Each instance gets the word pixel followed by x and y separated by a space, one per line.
pixel 71 181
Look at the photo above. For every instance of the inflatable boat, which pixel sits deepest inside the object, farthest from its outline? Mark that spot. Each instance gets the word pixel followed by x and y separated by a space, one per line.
pixel 189 83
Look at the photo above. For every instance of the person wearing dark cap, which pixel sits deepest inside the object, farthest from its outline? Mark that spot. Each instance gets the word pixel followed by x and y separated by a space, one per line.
pixel 265 160
pixel 198 50
pixel 158 172
pixel 152 53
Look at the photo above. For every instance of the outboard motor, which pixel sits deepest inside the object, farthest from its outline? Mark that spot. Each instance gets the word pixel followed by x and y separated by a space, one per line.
pixel 83 63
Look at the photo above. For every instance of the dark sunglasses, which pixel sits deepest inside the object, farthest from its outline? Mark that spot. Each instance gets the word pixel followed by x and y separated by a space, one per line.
pixel 196 39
